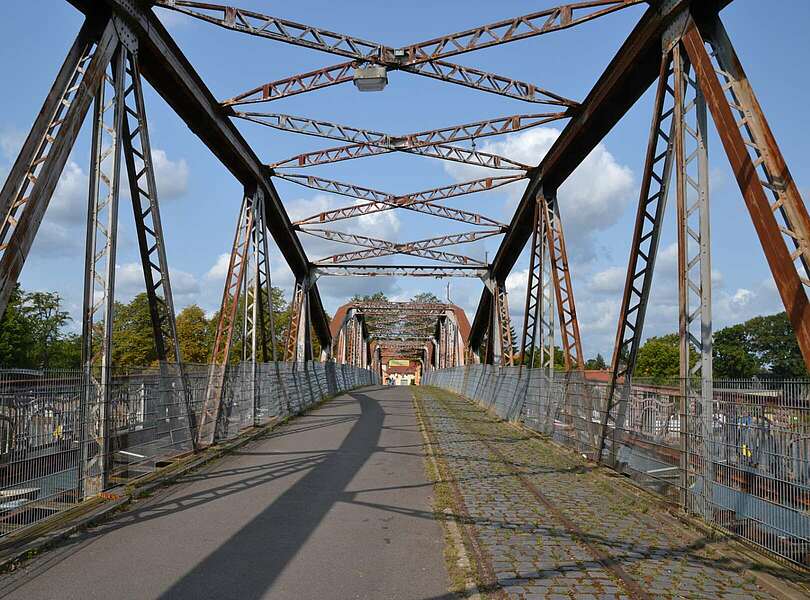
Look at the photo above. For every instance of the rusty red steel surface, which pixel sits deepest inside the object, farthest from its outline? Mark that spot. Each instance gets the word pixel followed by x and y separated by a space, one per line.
pixel 440 151
pixel 423 248
pixel 381 201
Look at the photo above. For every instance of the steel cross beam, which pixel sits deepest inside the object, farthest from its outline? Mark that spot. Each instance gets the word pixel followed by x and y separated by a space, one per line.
pixel 633 69
pixel 401 270
pixel 644 247
pixel 475 79
pixel 381 201
pixel 364 142
pixel 284 30
pixel 440 151
pixel 444 135
pixel 172 76
pixel 378 247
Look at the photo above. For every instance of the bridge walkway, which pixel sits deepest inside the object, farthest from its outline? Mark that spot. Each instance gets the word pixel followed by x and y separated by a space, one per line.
pixel 334 504
pixel 544 524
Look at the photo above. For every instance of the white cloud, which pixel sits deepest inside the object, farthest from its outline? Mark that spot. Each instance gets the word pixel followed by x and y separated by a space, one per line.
pixel 382 225
pixel 171 175
pixel 219 269
pixel 128 281
pixel 592 199
pixel 610 280
pixel 11 140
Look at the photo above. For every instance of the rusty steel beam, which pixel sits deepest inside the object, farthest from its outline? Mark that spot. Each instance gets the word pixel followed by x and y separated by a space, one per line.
pixel 790 281
pixel 296 84
pixel 401 271
pixel 280 30
pixel 510 30
pixel 360 137
pixel 381 201
pixel 448 257
pixel 630 73
pixel 434 69
pixel 377 248
pixel 360 51
pixel 440 151
pixel 491 83
pixel 173 77
pixel 563 288
pixel 425 244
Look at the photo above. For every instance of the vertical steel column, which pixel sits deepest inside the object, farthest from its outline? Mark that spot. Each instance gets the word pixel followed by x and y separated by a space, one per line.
pixel 643 252
pixel 299 345
pixel 99 285
pixel 254 338
pixel 238 264
pixel 144 195
pixel 563 288
pixel 504 325
pixel 694 284
pixel 782 222
pixel 32 180
pixel 538 328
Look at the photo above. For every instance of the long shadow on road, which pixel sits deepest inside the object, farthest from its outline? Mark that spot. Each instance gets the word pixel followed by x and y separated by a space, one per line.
pixel 248 563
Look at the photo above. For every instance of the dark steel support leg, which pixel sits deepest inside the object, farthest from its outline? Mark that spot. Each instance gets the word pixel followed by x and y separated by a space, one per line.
pixel 643 254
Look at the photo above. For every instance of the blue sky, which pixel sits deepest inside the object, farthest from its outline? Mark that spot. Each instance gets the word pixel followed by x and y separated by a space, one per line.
pixel 200 199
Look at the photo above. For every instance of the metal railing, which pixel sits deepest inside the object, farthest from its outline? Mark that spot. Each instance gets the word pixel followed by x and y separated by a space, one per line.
pixel 744 468
pixel 44 424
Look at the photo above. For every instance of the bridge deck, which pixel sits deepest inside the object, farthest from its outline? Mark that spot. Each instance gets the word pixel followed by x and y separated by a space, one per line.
pixel 334 504
pixel 549 526
pixel 337 504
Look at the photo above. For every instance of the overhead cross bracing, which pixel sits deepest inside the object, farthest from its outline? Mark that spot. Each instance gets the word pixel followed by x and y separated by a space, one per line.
pixel 369 65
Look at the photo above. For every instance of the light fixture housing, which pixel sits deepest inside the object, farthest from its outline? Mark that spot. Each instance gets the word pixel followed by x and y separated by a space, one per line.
pixel 370 78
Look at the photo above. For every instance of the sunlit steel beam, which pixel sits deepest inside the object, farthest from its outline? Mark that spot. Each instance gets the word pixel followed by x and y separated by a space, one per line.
pixel 381 201
pixel 440 151
pixel 377 248
pixel 444 135
pixel 401 271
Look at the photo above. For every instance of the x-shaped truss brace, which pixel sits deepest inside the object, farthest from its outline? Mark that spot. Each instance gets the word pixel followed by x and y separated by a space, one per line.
pixel 423 202
pixel 434 142
pixel 423 58
pixel 377 248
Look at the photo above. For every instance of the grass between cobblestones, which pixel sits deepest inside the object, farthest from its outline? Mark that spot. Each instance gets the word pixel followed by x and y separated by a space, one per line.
pixel 596 537
pixel 463 573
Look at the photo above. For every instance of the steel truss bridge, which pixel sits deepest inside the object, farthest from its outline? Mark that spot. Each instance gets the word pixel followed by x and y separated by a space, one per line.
pixel 680 47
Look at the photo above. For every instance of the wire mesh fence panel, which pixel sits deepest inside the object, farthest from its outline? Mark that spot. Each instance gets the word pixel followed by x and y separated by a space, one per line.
pixel 48 432
pixel 745 467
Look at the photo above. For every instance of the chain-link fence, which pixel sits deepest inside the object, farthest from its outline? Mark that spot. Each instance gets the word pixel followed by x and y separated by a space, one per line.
pixel 49 459
pixel 738 457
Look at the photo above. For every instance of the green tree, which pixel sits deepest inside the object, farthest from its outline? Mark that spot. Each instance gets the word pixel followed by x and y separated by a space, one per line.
pixel 375 297
pixel 763 346
pixel 133 338
pixel 732 357
pixel 16 339
pixel 659 358
pixel 426 298
pixel 194 335
pixel 46 319
pixel 596 364
pixel 771 339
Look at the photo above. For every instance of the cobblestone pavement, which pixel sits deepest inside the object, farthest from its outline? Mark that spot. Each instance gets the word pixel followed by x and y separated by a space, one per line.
pixel 549 526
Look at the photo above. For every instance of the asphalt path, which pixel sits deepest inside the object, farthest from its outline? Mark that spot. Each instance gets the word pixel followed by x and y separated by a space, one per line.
pixel 334 504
